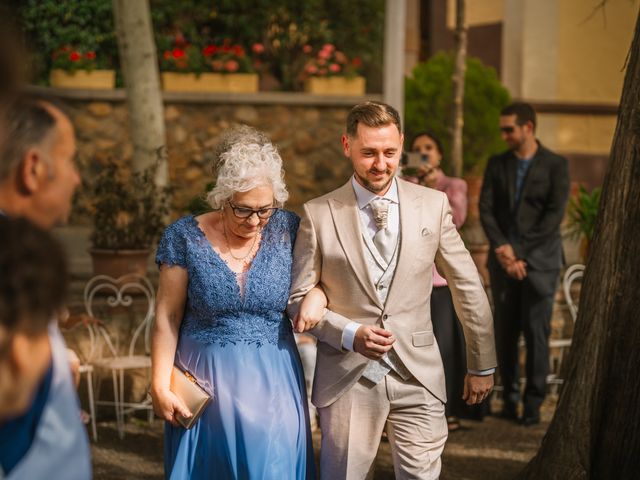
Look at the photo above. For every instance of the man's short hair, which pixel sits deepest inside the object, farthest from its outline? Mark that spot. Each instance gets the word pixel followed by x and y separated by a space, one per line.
pixel 523 111
pixel 33 278
pixel 372 114
pixel 26 122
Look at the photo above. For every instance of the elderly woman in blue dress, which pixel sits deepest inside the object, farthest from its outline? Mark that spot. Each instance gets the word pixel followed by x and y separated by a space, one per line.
pixel 224 285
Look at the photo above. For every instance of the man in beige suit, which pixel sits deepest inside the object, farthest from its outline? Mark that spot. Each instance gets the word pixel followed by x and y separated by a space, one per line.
pixel 371 246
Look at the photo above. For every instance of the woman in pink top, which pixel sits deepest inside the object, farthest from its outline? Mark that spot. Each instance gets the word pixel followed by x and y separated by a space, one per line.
pixel 446 326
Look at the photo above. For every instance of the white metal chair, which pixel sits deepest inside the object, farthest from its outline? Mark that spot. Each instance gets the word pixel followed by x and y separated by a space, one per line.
pixel 573 273
pixel 112 294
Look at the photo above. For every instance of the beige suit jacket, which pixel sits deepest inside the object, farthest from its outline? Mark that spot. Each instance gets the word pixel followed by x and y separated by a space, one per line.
pixel 329 252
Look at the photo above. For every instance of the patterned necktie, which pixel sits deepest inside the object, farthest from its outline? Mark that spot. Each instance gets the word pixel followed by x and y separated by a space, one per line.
pixel 385 240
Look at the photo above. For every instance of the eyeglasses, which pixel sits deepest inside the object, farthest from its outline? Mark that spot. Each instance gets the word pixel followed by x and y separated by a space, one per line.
pixel 507 130
pixel 245 213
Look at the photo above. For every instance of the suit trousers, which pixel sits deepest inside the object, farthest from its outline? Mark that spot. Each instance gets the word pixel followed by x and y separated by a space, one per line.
pixel 523 306
pixel 352 426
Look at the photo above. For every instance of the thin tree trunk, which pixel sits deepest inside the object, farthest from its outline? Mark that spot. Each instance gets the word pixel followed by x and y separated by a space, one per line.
pixel 595 433
pixel 144 97
pixel 460 68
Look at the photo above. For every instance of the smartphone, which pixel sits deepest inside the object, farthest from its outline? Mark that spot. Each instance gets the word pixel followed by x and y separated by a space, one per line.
pixel 414 159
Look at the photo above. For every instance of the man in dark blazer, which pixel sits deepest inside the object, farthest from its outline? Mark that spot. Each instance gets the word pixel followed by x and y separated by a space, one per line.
pixel 523 200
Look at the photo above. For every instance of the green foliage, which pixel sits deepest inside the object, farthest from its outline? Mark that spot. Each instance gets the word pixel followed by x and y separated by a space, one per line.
pixel 583 211
pixel 429 99
pixel 128 210
pixel 83 25
pixel 198 205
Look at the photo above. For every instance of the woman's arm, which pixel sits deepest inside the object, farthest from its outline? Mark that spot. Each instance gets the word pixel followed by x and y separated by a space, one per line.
pixel 312 310
pixel 171 299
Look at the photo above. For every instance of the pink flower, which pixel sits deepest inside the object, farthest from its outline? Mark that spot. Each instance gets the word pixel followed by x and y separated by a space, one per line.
pixel 322 71
pixel 307 49
pixel 328 47
pixel 321 62
pixel 340 57
pixel 334 67
pixel 217 65
pixel 324 54
pixel 257 48
pixel 311 69
pixel 231 66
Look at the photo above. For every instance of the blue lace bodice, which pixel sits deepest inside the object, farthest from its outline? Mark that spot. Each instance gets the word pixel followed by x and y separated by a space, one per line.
pixel 216 311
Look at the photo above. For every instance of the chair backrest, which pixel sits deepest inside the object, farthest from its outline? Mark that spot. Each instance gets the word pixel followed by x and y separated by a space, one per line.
pixel 573 273
pixel 119 292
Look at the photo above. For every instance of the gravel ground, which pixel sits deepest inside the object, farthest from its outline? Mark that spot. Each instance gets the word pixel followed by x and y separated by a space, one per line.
pixel 494 449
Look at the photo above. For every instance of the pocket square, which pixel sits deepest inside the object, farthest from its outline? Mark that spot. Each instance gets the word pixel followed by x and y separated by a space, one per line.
pixel 425 231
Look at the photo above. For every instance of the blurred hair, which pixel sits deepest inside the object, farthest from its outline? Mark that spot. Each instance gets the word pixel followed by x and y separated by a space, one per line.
pixel 429 134
pixel 33 278
pixel 243 160
pixel 372 114
pixel 26 122
pixel 524 113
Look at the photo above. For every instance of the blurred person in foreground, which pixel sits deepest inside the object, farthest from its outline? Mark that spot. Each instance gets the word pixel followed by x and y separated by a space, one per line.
pixel 37 180
pixel 522 203
pixel 224 283
pixel 32 291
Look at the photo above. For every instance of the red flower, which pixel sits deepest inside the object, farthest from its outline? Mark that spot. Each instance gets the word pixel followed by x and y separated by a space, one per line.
pixel 217 65
pixel 90 55
pixel 239 51
pixel 75 56
pixel 257 48
pixel 209 50
pixel 180 40
pixel 178 53
pixel 307 49
pixel 357 61
pixel 166 54
pixel 324 54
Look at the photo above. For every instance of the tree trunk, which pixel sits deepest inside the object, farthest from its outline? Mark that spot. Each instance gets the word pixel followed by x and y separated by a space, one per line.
pixel 595 433
pixel 144 97
pixel 460 68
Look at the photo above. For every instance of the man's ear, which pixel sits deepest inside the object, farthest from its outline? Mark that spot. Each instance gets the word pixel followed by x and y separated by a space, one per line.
pixel 346 147
pixel 32 171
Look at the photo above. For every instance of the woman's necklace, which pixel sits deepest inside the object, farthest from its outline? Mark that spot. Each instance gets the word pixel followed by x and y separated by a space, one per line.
pixel 244 260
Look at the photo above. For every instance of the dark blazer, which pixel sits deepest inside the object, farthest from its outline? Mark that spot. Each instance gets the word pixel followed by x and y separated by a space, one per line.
pixel 532 226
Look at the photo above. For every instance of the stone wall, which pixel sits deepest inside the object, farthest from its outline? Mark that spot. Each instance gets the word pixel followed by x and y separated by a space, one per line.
pixel 305 128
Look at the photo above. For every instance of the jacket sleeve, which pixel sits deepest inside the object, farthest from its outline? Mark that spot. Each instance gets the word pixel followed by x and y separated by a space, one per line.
pixel 487 206
pixel 306 274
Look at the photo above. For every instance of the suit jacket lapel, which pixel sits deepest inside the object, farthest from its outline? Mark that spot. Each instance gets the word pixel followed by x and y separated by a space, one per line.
pixel 410 214
pixel 346 218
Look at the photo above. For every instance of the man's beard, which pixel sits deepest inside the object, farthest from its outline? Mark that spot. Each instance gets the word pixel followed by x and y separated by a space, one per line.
pixel 375 188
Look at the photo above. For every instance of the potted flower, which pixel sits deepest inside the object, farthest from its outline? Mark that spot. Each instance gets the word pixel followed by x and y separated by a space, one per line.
pixel 210 68
pixel 77 68
pixel 582 212
pixel 330 72
pixel 128 212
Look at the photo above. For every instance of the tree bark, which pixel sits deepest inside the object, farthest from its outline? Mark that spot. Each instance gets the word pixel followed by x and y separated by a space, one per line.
pixel 144 97
pixel 460 68
pixel 595 432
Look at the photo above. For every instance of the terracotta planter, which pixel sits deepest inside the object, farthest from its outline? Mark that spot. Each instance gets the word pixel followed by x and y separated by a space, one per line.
pixel 335 85
pixel 116 263
pixel 87 79
pixel 210 82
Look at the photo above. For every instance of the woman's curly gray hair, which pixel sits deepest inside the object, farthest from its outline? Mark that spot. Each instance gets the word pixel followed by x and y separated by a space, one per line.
pixel 243 160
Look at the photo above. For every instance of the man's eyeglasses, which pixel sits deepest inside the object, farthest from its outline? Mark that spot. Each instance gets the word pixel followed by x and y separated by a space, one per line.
pixel 507 130
pixel 244 212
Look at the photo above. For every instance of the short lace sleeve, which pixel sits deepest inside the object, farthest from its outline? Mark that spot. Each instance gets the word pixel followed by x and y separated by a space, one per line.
pixel 172 246
pixel 292 222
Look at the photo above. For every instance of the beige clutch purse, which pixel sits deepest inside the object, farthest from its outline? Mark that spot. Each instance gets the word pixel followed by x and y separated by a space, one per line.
pixel 193 395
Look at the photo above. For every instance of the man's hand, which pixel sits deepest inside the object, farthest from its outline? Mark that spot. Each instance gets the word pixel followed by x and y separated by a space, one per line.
pixel 477 388
pixel 517 270
pixel 372 342
pixel 505 255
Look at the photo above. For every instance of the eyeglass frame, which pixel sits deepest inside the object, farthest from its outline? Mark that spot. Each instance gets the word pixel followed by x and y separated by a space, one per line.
pixel 235 208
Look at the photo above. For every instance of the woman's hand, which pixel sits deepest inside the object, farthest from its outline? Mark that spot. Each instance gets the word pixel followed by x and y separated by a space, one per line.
pixel 167 405
pixel 312 310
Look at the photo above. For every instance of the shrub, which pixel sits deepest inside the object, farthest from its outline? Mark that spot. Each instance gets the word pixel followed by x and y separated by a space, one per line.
pixel 429 99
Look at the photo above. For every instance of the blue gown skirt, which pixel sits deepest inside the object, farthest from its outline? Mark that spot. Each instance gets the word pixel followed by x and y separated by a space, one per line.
pixel 256 426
